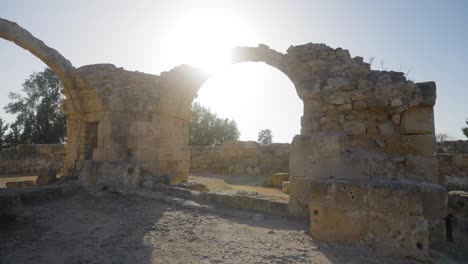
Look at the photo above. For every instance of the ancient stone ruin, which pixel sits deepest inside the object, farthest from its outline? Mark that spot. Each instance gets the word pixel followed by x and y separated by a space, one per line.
pixel 363 167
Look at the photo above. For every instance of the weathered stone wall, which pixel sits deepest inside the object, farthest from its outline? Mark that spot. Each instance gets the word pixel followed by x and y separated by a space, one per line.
pixel 452 159
pixel 360 127
pixel 453 147
pixel 241 157
pixel 118 115
pixel 25 159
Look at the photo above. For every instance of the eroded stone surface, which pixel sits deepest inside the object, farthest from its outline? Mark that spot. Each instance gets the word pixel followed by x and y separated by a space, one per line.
pixel 363 131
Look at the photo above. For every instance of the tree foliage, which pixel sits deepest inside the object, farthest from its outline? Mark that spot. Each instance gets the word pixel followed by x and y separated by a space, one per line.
pixel 207 129
pixel 265 137
pixel 39 119
pixel 465 129
pixel 3 129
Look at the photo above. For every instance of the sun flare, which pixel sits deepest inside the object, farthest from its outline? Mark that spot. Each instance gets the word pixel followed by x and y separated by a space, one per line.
pixel 205 38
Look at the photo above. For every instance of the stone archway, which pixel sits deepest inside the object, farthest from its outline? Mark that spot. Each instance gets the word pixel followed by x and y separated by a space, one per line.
pixel 75 90
pixel 366 136
pixel 363 167
pixel 59 64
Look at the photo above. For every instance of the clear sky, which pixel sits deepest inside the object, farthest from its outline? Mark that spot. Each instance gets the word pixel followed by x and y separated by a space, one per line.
pixel 427 38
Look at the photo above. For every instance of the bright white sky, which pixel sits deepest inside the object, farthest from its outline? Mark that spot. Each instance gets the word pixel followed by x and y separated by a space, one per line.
pixel 427 37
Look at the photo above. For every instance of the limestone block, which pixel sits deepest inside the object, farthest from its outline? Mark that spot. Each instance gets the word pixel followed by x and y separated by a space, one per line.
pixel 142 142
pixel 399 237
pixel 418 121
pixel 117 154
pixel 386 128
pixel 141 128
pixel 173 171
pixel 113 175
pixel 396 119
pixel 434 199
pixel 359 97
pixel 422 168
pixel 144 154
pixel 396 102
pixel 114 102
pixel 349 196
pixel 385 197
pixel 285 187
pixel 426 92
pixel 299 188
pixel 360 105
pixel 458 203
pixel 378 102
pixel 372 130
pixel 354 128
pixel 335 224
pixel 387 215
pixel 100 154
pixel 278 179
pixel 305 148
pixel 423 145
pixel 298 207
pixel 345 107
pixel 337 101
pixel 318 191
pixel 460 161
pixel 339 167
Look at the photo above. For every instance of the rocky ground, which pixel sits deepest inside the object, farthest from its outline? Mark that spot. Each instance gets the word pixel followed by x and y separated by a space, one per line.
pixel 114 228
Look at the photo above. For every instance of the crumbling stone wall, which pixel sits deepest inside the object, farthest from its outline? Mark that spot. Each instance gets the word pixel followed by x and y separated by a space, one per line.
pixel 25 159
pixel 114 115
pixel 367 137
pixel 241 157
pixel 452 159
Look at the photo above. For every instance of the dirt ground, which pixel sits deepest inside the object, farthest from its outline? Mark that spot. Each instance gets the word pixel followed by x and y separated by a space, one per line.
pixel 115 228
pixel 235 183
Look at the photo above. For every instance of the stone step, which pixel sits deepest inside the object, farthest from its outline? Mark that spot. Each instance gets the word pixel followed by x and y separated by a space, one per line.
pixel 239 200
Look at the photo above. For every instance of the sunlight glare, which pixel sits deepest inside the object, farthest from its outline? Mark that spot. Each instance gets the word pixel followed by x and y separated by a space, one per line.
pixel 205 39
pixel 257 96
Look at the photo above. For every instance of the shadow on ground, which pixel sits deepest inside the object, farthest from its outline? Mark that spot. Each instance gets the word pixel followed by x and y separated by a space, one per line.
pixel 114 228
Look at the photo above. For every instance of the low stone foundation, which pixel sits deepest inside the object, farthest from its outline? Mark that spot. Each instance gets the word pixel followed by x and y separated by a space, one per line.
pixel 452 159
pixel 391 217
pixel 110 175
pixel 24 159
pixel 241 157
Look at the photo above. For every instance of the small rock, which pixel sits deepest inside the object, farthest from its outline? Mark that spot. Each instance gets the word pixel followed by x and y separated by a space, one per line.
pixel 359 97
pixel 270 232
pixel 345 107
pixel 396 102
pixel 359 105
pixel 337 101
pixel 396 119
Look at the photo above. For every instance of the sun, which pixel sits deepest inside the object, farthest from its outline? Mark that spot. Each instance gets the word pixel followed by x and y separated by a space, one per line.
pixel 205 38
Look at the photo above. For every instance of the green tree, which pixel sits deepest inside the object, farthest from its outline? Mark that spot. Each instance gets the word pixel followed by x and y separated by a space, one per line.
pixel 12 138
pixel 265 137
pixel 465 129
pixel 3 129
pixel 39 117
pixel 207 129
